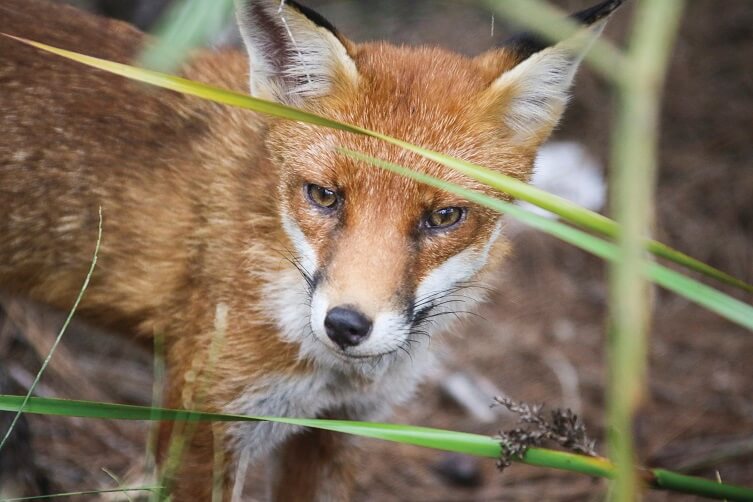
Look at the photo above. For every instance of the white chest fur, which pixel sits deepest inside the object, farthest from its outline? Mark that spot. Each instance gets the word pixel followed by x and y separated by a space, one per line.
pixel 310 395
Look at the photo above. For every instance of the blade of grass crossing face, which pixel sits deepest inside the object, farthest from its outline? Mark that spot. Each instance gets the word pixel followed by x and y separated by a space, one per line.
pixel 699 293
pixel 59 335
pixel 568 211
pixel 460 442
pixel 561 207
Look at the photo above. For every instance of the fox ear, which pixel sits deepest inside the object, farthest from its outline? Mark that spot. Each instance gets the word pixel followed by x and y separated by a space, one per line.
pixel 295 53
pixel 534 92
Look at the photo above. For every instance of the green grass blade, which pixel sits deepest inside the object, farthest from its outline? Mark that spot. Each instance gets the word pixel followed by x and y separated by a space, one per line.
pixel 565 209
pixel 461 442
pixel 663 251
pixel 667 480
pixel 701 294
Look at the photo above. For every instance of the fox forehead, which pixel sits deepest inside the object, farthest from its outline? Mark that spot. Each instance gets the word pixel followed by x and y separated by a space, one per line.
pixel 424 95
pixel 424 78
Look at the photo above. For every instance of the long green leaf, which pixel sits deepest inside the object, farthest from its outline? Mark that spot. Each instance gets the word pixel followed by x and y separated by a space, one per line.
pixel 557 205
pixel 699 293
pixel 460 442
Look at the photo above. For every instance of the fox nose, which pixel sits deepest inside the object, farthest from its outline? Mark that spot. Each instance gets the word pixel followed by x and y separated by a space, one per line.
pixel 347 327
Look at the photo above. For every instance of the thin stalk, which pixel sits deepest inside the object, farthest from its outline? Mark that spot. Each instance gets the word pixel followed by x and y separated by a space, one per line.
pixel 60 334
pixel 459 442
pixel 634 161
pixel 88 492
pixel 218 463
pixel 194 395
pixel 158 393
pixel 119 483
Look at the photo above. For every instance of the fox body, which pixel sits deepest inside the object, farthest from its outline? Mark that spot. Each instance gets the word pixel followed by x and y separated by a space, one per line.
pixel 286 278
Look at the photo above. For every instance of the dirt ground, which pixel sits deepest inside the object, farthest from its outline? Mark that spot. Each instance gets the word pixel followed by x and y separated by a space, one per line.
pixel 542 337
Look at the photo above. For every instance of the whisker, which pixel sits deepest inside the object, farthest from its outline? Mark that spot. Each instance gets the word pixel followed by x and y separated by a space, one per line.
pixel 438 294
pixel 456 312
pixel 401 347
pixel 294 260
pixel 478 285
pixel 437 305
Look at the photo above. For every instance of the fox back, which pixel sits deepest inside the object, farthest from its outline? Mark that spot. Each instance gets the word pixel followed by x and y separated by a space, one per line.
pixel 326 277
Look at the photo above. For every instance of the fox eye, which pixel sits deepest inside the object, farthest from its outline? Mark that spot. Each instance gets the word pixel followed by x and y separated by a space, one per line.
pixel 323 197
pixel 444 218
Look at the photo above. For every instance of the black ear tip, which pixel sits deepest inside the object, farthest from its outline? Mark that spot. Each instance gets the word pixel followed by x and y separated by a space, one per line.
pixel 312 16
pixel 268 9
pixel 597 12
pixel 526 44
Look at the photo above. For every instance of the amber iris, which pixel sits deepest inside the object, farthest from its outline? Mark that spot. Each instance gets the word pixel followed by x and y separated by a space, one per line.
pixel 444 218
pixel 322 197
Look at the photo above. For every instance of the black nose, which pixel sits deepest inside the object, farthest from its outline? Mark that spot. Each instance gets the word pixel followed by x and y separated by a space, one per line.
pixel 346 327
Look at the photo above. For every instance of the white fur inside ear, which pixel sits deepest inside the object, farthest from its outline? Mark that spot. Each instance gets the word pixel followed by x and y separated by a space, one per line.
pixel 539 86
pixel 292 58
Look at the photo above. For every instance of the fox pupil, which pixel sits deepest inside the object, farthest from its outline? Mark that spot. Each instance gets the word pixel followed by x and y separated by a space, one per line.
pixel 445 217
pixel 322 197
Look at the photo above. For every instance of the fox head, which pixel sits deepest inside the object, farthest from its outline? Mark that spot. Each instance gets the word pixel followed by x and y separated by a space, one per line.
pixel 384 260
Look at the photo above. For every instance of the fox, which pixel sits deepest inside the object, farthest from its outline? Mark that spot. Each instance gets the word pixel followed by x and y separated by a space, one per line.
pixel 290 279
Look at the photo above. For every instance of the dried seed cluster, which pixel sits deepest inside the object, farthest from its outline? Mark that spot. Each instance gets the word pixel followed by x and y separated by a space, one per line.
pixel 564 428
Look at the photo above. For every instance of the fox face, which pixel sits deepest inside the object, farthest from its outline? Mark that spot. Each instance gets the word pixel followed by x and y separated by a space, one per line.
pixel 383 261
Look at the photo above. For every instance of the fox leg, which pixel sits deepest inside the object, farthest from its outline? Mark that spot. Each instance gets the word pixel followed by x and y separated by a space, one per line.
pixel 314 465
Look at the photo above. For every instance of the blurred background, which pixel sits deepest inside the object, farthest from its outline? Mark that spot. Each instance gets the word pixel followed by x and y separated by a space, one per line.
pixel 542 337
